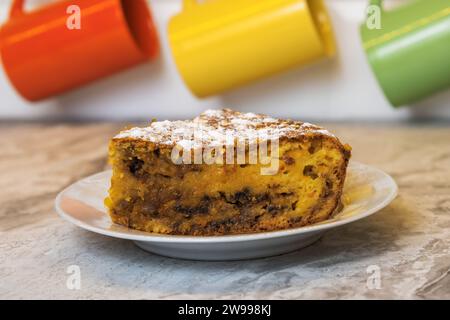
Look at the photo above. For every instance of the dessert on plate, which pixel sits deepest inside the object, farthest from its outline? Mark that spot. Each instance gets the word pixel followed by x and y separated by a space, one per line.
pixel 223 173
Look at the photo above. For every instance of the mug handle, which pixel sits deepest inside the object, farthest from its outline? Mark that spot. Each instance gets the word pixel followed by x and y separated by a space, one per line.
pixel 17 9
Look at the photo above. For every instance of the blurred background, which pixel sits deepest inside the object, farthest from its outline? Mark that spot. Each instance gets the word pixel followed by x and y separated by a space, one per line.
pixel 342 88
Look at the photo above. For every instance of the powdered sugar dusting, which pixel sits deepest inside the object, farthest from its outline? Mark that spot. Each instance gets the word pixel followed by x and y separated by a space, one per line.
pixel 215 127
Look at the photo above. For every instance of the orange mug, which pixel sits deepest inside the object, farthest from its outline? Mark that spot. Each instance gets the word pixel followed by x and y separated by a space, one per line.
pixel 44 56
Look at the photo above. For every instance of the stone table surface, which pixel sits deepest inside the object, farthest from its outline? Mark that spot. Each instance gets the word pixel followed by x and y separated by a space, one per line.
pixel 407 244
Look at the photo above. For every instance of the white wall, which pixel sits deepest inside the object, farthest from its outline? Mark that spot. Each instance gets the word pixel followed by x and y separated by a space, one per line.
pixel 340 89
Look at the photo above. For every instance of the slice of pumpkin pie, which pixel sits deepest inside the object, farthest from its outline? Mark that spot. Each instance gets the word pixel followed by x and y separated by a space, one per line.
pixel 225 172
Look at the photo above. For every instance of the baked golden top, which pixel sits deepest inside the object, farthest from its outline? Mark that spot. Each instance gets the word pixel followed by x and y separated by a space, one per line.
pixel 221 127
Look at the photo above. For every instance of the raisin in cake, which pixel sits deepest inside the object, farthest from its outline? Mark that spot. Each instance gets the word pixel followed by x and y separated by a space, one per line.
pixel 190 178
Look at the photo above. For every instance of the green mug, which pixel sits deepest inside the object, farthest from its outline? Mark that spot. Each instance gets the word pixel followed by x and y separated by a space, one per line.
pixel 409 50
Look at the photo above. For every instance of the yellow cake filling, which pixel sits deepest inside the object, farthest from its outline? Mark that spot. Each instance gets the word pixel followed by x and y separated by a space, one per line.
pixel 151 193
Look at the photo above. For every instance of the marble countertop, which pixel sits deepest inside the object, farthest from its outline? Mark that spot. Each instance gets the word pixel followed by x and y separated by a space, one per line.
pixel 401 252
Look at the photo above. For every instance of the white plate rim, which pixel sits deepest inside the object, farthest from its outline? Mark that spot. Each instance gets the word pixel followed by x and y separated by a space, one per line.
pixel 161 238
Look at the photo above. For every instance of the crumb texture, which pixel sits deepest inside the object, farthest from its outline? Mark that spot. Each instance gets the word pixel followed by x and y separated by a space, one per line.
pixel 150 192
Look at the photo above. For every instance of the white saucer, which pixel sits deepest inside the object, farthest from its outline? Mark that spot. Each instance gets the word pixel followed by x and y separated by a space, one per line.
pixel 367 190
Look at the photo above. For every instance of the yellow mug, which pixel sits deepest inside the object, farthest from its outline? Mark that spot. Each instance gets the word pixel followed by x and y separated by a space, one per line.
pixel 220 45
